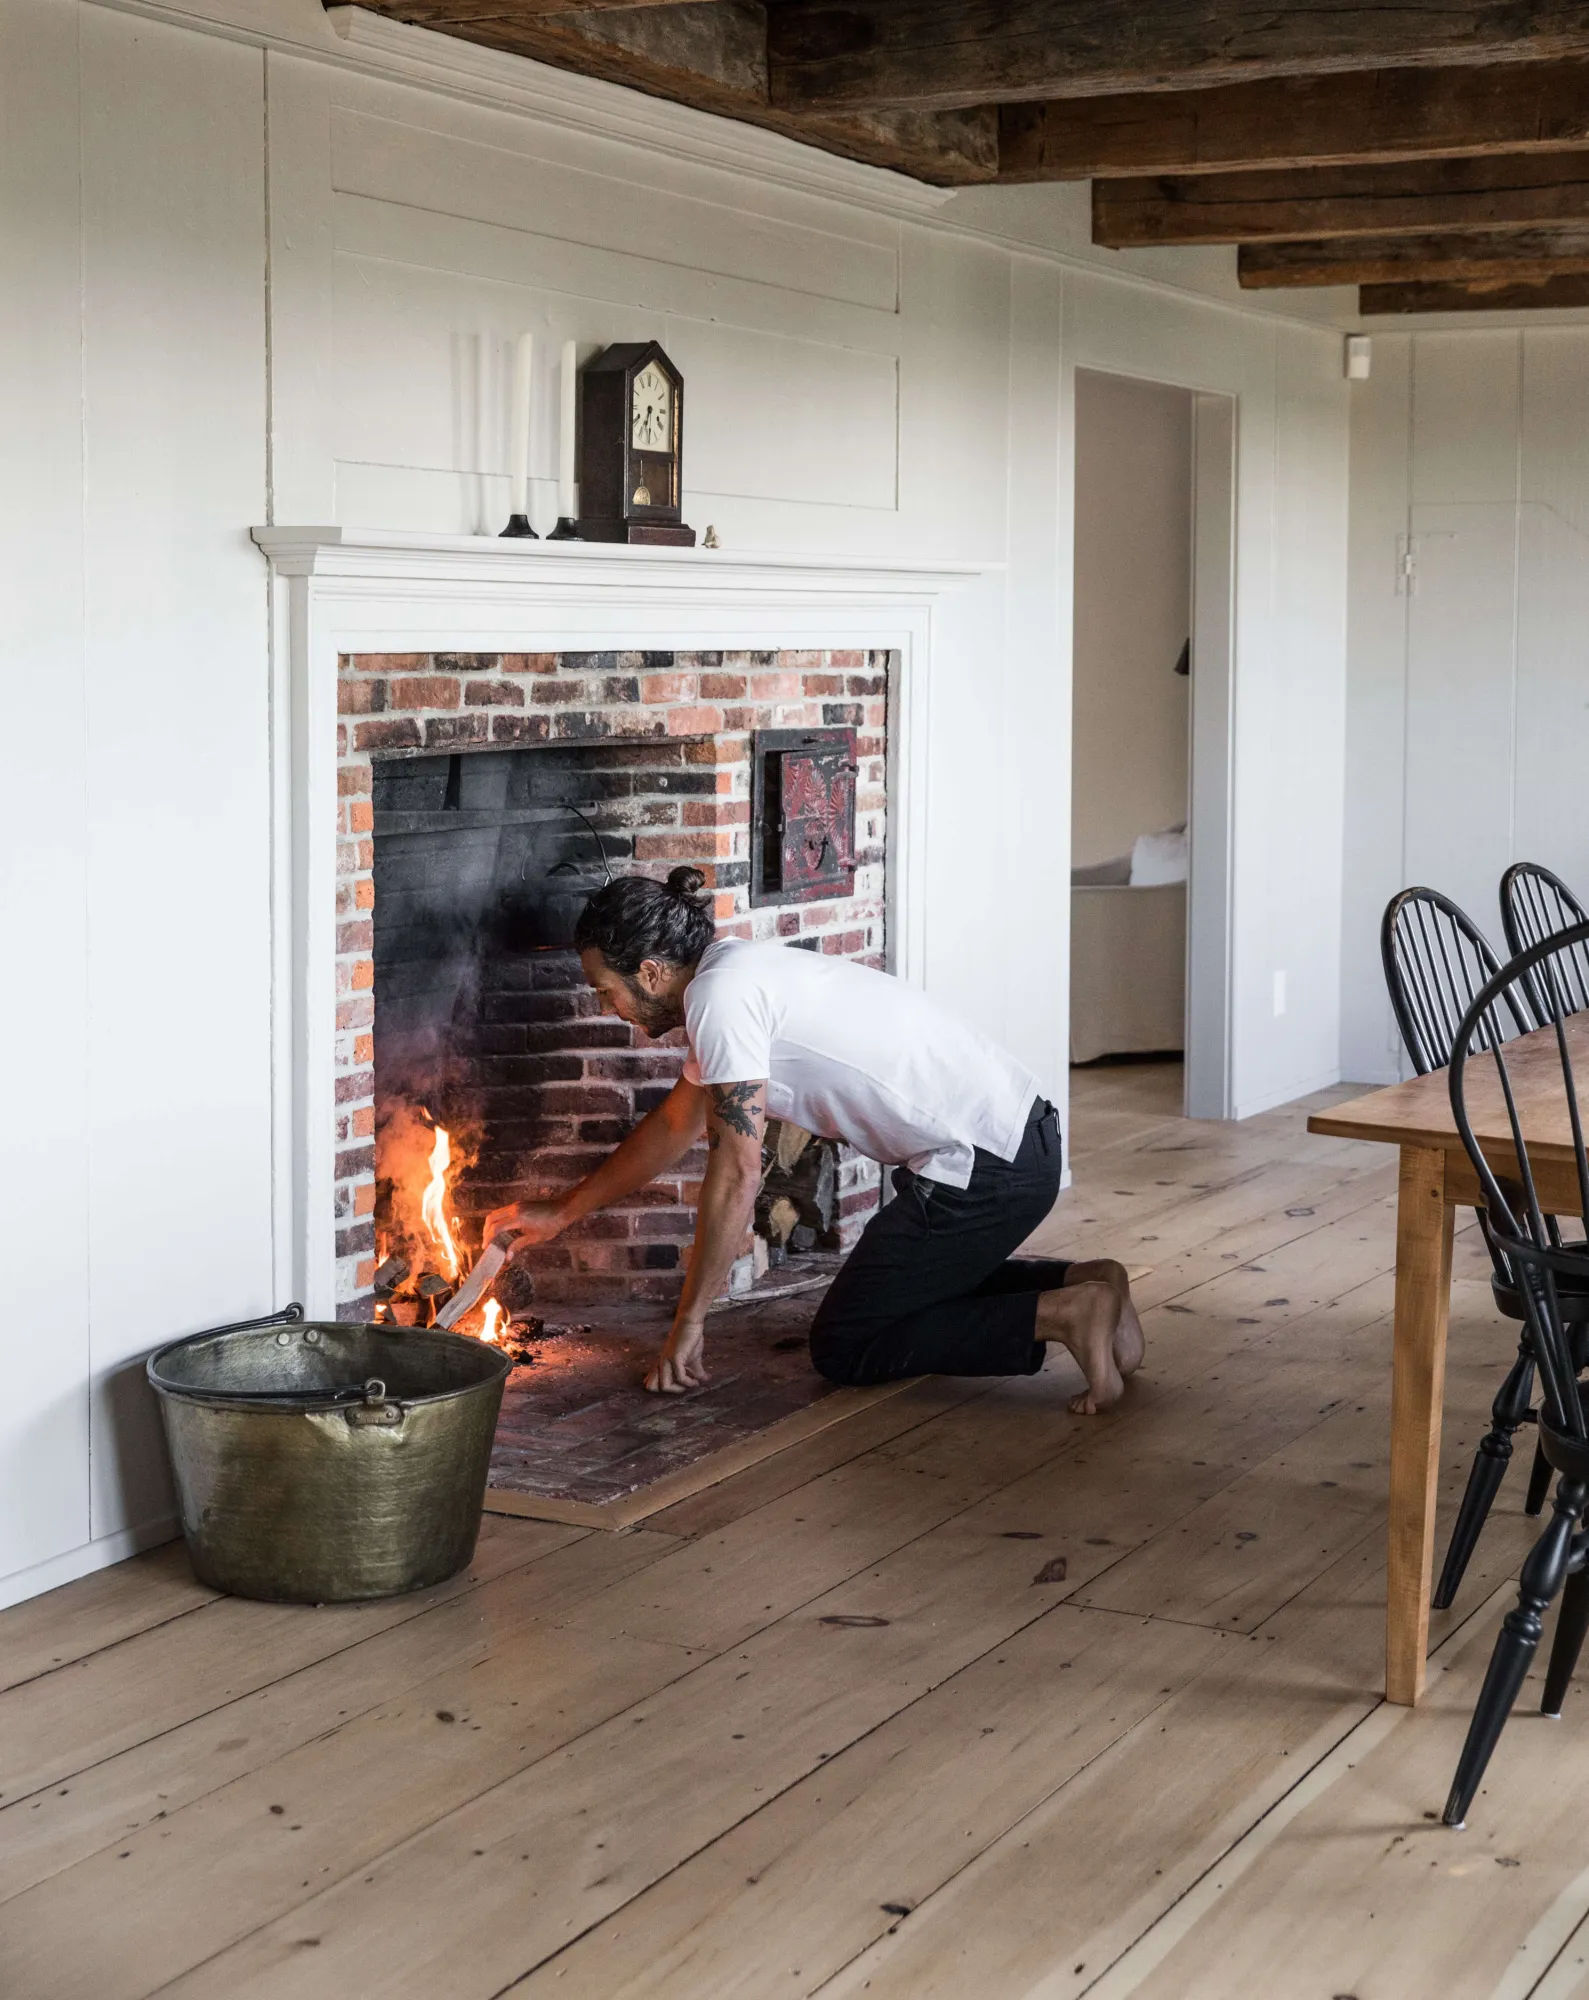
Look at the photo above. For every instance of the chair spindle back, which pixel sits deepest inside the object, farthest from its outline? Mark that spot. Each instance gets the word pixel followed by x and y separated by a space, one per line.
pixel 1541 1074
pixel 1535 905
pixel 1436 959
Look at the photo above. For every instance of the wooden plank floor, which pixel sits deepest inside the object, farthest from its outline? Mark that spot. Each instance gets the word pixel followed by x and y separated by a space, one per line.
pixel 964 1697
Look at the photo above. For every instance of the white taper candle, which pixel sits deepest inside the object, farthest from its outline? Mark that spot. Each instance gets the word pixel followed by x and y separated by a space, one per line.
pixel 519 433
pixel 568 383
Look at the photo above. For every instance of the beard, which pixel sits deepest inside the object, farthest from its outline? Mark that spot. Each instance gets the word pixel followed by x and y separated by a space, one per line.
pixel 653 1016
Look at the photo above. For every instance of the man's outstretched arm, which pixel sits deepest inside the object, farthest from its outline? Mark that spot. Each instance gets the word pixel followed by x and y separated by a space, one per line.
pixel 736 1118
pixel 658 1142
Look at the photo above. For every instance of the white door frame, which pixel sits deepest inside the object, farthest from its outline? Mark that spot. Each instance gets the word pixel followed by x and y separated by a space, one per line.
pixel 1209 977
pixel 1210 760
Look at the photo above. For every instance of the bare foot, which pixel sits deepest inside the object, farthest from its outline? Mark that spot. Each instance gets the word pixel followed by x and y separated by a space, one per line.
pixel 1093 1315
pixel 1084 1317
pixel 1129 1346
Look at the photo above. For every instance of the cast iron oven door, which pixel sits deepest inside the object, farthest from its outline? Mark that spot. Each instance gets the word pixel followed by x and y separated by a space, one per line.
pixel 802 815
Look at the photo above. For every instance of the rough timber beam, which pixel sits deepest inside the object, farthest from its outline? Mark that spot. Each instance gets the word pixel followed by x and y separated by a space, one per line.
pixel 712 55
pixel 844 54
pixel 1482 256
pixel 1513 191
pixel 545 7
pixel 1300 121
pixel 1421 298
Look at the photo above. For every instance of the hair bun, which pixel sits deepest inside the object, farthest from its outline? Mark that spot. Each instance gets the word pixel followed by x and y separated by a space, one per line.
pixel 687 883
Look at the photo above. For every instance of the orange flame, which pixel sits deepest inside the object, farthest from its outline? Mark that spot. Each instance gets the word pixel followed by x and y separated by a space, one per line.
pixel 491 1330
pixel 433 1208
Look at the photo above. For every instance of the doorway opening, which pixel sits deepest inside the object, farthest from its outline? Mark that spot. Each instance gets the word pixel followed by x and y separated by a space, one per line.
pixel 1150 845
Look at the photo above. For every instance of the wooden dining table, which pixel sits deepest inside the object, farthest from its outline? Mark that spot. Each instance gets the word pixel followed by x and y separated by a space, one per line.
pixel 1436 1179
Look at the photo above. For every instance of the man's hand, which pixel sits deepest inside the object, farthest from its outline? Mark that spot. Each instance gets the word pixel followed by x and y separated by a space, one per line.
pixel 526 1222
pixel 682 1362
pixel 736 1117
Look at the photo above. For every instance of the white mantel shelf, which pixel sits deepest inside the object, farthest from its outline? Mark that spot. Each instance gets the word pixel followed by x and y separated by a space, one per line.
pixel 392 555
pixel 364 590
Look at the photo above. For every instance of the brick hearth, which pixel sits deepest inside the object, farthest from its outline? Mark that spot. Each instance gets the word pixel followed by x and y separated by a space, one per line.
pixel 668 735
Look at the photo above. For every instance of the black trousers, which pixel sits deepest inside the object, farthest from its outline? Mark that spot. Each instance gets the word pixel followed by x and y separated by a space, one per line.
pixel 931 1288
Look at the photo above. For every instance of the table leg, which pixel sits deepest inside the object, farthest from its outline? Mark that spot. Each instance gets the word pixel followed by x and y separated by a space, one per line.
pixel 1423 1304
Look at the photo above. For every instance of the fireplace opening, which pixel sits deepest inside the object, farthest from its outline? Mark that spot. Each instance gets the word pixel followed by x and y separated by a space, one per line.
pixel 485 1029
pixel 485 797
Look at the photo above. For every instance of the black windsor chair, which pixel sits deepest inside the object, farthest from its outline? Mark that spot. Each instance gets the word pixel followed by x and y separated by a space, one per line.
pixel 1436 961
pixel 1525 1236
pixel 1535 905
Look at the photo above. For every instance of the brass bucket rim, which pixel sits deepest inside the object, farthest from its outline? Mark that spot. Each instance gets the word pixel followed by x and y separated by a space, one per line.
pixel 285 1404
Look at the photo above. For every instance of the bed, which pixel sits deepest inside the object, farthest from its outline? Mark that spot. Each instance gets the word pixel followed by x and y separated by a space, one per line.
pixel 1127 963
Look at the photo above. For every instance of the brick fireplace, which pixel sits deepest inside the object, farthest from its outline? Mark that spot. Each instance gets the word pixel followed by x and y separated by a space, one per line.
pixel 481 796
pixel 465 647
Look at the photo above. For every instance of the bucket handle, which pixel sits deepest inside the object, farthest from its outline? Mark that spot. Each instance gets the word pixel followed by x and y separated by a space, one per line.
pixel 375 1411
pixel 281 1318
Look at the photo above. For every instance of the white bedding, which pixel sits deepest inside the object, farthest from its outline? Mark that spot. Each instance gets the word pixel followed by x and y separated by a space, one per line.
pixel 1128 951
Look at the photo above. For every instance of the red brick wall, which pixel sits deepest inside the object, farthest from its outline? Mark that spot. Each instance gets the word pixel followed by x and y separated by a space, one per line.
pixel 694 712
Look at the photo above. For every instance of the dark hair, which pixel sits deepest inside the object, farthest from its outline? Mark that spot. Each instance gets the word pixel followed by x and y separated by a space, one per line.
pixel 636 918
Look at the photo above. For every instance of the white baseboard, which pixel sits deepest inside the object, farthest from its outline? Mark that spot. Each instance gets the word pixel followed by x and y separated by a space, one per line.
pixel 1287 1094
pixel 73 1563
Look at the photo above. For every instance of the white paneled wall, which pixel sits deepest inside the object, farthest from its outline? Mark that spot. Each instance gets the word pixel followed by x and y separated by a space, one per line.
pixel 44 1504
pixel 1469 679
pixel 272 275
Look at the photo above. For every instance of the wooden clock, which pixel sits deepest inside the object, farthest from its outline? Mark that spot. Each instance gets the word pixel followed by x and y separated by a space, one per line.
pixel 631 447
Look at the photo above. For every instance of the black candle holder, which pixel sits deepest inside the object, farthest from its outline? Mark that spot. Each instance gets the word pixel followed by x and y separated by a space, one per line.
pixel 519 525
pixel 567 530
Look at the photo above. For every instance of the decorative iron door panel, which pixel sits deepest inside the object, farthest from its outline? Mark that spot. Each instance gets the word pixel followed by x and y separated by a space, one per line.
pixel 802 815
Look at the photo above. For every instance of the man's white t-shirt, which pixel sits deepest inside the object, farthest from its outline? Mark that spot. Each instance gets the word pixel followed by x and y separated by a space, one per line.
pixel 858 1055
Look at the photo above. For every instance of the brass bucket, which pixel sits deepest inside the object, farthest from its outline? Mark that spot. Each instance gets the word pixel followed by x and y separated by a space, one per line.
pixel 325 1460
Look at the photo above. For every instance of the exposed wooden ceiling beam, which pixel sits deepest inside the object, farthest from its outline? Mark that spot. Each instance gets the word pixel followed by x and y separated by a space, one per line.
pixel 712 55
pixel 1306 121
pixel 1486 256
pixel 1512 191
pixel 844 54
pixel 1420 298
pixel 540 8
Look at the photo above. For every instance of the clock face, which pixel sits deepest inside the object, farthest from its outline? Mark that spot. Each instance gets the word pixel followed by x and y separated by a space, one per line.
pixel 651 411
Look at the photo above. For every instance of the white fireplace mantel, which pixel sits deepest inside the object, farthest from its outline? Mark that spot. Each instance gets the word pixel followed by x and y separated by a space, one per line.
pixel 348 590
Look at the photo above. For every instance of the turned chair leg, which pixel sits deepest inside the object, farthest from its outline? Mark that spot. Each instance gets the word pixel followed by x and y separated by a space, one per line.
pixel 1539 1477
pixel 1490 1461
pixel 1538 1481
pixel 1572 1624
pixel 1542 1577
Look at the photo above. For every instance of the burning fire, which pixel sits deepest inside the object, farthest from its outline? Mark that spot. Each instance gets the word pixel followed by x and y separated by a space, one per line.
pixel 426 1257
pixel 433 1208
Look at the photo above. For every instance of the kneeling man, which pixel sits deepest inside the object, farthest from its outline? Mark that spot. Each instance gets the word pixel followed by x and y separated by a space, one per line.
pixel 856 1055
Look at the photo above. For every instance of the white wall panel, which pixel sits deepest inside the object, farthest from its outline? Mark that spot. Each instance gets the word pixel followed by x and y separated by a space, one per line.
pixel 1549 823
pixel 43 829
pixel 1305 710
pixel 179 827
pixel 1373 854
pixel 299 298
pixel 1464 418
pixel 1459 703
pixel 1037 724
pixel 424 368
pixel 953 499
pixel 1469 697
pixel 402 162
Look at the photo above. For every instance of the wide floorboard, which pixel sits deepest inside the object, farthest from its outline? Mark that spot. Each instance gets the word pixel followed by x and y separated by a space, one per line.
pixel 965 1696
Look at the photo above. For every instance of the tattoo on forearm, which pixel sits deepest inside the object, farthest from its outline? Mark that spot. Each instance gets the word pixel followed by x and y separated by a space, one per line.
pixel 736 1108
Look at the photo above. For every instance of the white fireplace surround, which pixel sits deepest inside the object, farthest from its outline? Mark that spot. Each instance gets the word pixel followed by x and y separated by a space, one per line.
pixel 346 590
